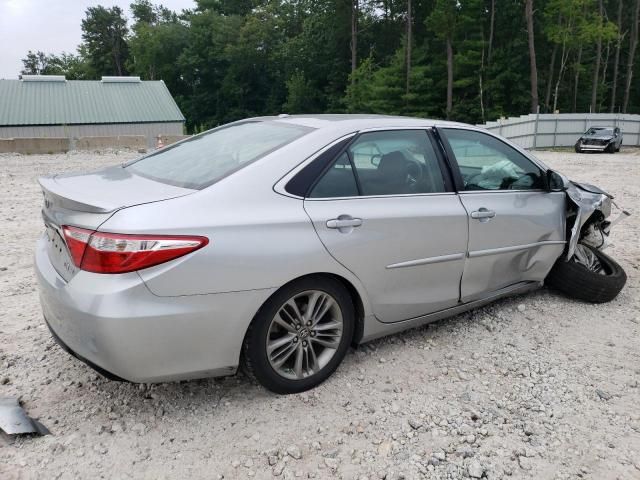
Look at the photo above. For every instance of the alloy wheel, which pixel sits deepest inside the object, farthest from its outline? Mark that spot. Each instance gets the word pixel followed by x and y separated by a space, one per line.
pixel 304 334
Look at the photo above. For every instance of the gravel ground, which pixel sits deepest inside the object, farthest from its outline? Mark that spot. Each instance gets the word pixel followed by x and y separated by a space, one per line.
pixel 538 386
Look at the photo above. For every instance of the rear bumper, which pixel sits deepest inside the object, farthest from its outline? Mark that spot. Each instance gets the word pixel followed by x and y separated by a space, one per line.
pixel 66 348
pixel 117 326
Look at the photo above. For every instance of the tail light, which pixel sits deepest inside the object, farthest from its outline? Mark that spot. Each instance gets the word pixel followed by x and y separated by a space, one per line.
pixel 102 252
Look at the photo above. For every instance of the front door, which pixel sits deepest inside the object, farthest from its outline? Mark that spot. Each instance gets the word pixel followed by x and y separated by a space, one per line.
pixel 516 227
pixel 384 210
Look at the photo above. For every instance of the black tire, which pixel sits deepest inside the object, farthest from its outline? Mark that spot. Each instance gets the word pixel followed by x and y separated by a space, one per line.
pixel 577 281
pixel 255 362
pixel 611 148
pixel 578 150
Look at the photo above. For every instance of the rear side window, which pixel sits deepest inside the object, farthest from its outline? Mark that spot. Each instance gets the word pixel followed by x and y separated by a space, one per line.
pixel 338 181
pixel 206 158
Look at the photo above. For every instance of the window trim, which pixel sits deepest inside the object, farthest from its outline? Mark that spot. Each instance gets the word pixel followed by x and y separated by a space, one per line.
pixel 445 169
pixel 300 181
pixel 453 162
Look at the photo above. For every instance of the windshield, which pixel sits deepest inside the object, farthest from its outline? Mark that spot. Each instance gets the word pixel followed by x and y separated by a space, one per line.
pixel 599 131
pixel 202 160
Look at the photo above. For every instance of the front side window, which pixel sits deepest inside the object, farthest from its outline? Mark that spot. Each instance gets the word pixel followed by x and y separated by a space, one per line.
pixel 393 162
pixel 204 159
pixel 486 163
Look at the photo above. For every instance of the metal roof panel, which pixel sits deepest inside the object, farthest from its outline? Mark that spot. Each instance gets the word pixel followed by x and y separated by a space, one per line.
pixel 85 102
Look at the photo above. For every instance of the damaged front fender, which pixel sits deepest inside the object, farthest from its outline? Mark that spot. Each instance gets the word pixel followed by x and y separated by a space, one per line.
pixel 584 200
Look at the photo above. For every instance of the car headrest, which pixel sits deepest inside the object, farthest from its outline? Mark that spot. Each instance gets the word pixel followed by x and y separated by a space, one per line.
pixel 393 165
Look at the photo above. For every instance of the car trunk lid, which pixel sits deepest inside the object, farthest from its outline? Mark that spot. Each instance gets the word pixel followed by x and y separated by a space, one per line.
pixel 88 200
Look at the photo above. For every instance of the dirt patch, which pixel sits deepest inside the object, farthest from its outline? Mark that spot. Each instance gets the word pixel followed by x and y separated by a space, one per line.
pixel 537 386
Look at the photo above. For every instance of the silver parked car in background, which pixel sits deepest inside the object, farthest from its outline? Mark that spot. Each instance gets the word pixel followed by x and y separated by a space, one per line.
pixel 600 139
pixel 275 243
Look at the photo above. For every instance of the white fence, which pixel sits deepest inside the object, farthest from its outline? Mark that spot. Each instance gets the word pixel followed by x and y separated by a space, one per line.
pixel 547 130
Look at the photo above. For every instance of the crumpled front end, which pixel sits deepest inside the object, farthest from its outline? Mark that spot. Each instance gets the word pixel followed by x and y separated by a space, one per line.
pixel 589 210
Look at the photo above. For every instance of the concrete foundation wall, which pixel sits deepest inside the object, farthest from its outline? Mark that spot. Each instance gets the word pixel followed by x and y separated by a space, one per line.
pixel 62 145
pixel 34 145
pixel 169 139
pixel 148 130
pixel 134 142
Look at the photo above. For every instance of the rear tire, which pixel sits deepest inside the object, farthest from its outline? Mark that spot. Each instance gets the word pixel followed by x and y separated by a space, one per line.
pixel 577 281
pixel 321 343
pixel 578 150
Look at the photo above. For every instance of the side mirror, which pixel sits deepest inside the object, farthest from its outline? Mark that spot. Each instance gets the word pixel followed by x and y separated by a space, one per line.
pixel 556 182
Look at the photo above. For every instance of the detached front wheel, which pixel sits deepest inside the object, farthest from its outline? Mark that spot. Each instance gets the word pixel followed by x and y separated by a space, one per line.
pixel 589 275
pixel 300 335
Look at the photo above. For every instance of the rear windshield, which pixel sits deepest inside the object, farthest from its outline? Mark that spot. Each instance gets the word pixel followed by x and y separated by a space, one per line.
pixel 202 160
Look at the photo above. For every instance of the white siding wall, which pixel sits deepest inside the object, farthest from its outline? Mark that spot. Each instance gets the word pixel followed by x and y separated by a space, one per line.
pixel 563 129
pixel 150 130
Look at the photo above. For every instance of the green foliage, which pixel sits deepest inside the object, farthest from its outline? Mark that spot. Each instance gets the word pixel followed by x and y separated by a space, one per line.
pixel 228 59
pixel 104 32
pixel 73 67
pixel 301 95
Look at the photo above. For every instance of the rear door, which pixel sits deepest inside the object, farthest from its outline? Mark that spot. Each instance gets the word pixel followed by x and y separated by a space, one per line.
pixel 385 210
pixel 516 227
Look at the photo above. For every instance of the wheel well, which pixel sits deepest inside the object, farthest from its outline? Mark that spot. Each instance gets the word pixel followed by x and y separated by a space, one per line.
pixel 358 306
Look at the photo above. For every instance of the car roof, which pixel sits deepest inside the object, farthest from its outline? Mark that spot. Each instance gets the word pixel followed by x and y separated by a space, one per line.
pixel 355 121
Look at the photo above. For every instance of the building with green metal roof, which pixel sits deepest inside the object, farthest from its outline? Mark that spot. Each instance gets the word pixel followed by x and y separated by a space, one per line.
pixel 38 106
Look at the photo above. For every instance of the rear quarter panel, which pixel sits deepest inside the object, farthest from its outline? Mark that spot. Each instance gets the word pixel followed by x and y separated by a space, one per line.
pixel 259 239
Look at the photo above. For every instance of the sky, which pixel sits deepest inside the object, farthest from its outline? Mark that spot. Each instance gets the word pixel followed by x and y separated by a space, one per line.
pixel 52 26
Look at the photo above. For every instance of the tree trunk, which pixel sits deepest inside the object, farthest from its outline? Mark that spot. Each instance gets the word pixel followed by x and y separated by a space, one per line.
pixel 491 26
pixel 564 55
pixel 480 83
pixel 576 80
pixel 603 80
pixel 552 66
pixel 616 62
pixel 408 49
pixel 354 39
pixel 633 44
pixel 532 56
pixel 450 77
pixel 596 69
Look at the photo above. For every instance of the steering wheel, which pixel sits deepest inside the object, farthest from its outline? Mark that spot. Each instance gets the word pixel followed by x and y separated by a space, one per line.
pixel 472 182
pixel 375 159
pixel 507 183
pixel 414 171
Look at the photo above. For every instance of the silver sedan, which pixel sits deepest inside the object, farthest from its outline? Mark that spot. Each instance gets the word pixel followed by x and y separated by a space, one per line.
pixel 277 242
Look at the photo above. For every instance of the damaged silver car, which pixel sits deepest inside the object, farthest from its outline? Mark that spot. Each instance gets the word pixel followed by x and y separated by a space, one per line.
pixel 276 242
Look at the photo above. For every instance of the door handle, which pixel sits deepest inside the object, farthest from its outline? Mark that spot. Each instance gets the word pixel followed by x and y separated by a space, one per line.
pixel 483 214
pixel 344 221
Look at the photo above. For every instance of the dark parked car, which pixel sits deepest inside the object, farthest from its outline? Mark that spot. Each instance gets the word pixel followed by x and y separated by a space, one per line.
pixel 600 139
